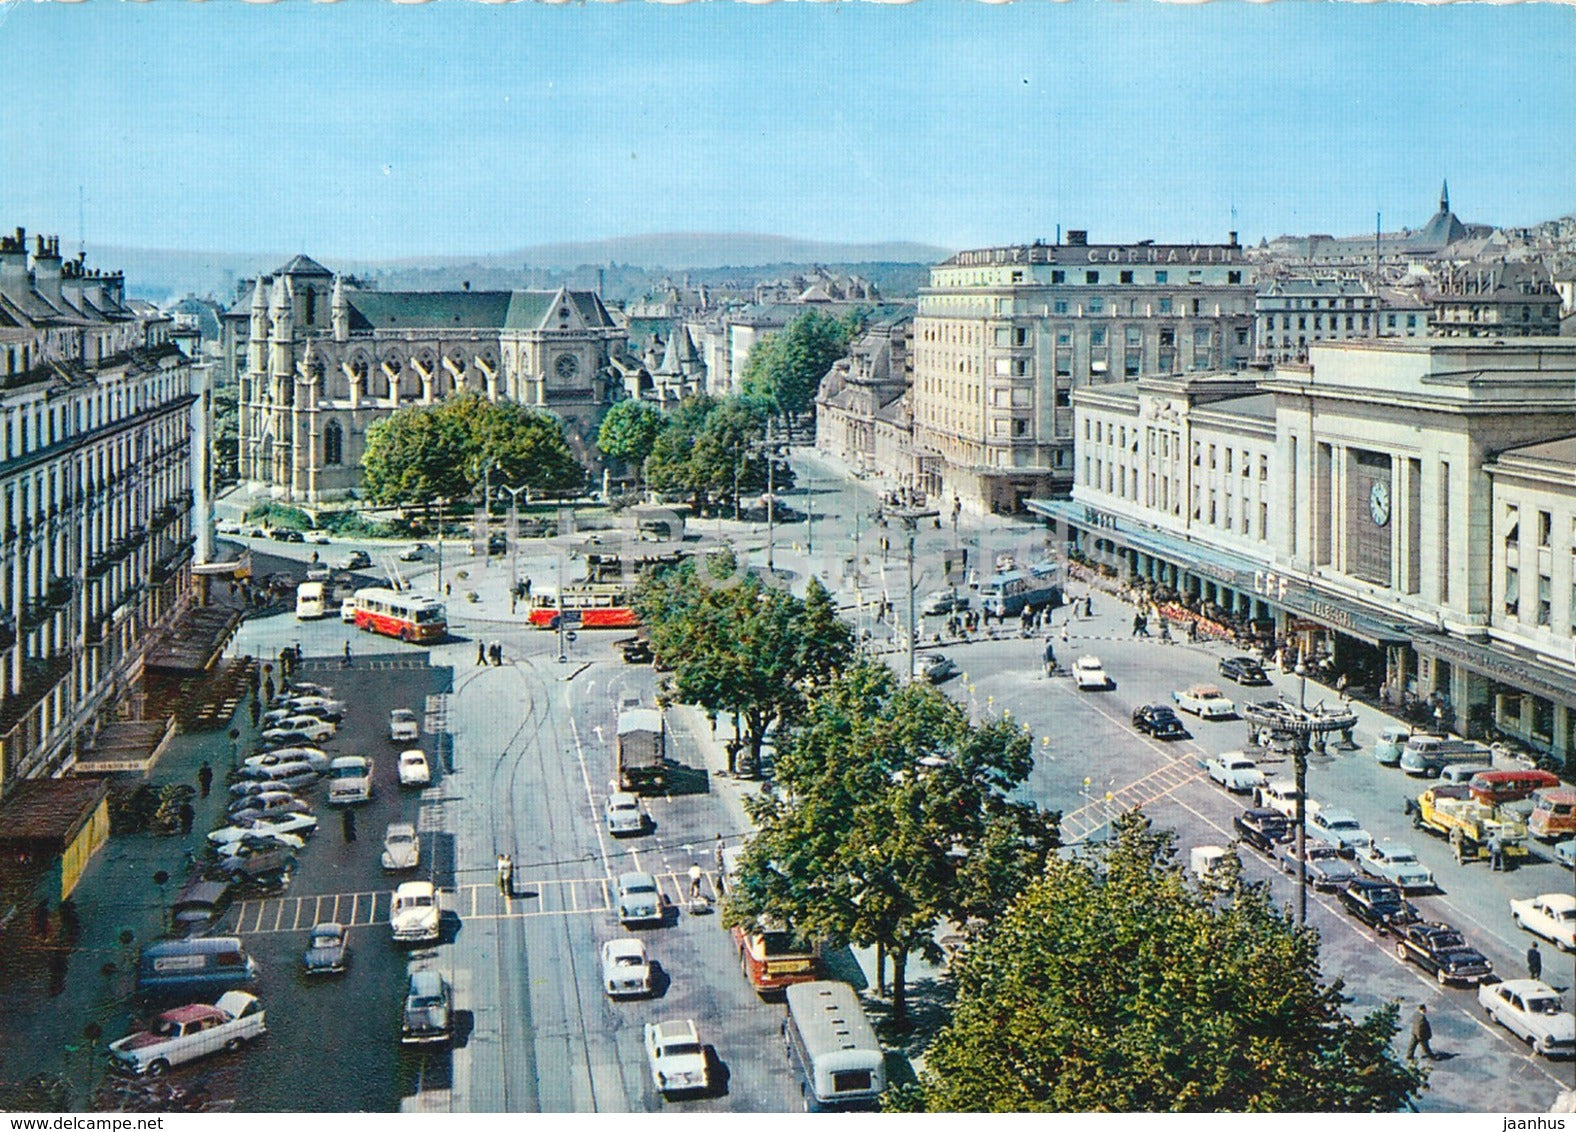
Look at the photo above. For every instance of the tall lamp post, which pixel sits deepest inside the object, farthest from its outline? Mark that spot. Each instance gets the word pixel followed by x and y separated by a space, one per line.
pixel 514 538
pixel 910 517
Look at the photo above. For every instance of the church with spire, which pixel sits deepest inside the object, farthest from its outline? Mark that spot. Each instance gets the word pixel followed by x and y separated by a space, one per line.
pixel 318 358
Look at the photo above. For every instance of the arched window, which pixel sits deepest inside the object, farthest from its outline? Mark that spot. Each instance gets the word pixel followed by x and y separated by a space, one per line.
pixel 333 444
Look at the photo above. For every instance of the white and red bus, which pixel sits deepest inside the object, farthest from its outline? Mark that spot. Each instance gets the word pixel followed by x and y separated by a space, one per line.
pixel 773 958
pixel 394 613
pixel 588 605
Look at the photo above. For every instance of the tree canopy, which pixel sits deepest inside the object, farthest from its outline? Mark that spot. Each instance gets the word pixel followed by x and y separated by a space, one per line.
pixel 629 431
pixel 784 370
pixel 894 814
pixel 745 647
pixel 426 452
pixel 1115 983
pixel 710 448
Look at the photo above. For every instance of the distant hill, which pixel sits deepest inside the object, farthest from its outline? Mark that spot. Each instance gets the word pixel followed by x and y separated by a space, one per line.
pixel 162 273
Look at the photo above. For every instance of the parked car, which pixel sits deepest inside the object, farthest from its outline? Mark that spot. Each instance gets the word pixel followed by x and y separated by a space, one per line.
pixel 676 1057
pixel 1262 829
pixel 254 842
pixel 1205 701
pixel 299 730
pixel 318 537
pixel 301 825
pixel 404 726
pixel 1534 1012
pixel 327 949
pixel 1396 862
pixel 1443 952
pixel 935 667
pixel 1379 904
pixel 624 815
pixel 1551 915
pixel 428 1016
pixel 189 1032
pixel 1389 744
pixel 414 553
pixel 1089 675
pixel 225 528
pixel 314 757
pixel 639 901
pixel 635 650
pixel 1159 722
pixel 297 776
pixel 320 706
pixel 243 810
pixel 1279 794
pixel 1244 670
pixel 413 912
pixel 1497 787
pixel 1236 772
pixel 1565 852
pixel 355 560
pixel 200 905
pixel 626 968
pixel 401 847
pixel 1339 828
pixel 943 601
pixel 413 768
pixel 1327 869
pixel 280 534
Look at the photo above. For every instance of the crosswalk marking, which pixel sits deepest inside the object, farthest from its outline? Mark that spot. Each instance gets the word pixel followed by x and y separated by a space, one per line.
pixel 1081 823
pixel 576 896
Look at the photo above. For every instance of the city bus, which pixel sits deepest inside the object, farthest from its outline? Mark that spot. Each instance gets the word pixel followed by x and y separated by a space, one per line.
pixel 396 613
pixel 311 602
pixel 773 957
pixel 833 1048
pixel 588 605
pixel 1006 594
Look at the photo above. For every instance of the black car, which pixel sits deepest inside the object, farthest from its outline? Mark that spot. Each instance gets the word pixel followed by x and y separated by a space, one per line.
pixel 1442 951
pixel 1244 670
pixel 1378 904
pixel 1262 829
pixel 1159 721
pixel 635 650
pixel 288 536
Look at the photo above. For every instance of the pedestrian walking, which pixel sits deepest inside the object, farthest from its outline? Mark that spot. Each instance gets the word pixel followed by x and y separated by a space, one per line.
pixel 503 873
pixel 1496 852
pixel 481 654
pixel 1050 658
pixel 205 779
pixel 347 655
pixel 717 862
pixel 255 709
pixel 527 588
pixel 1340 687
pixel 1192 630
pixel 188 815
pixel 694 878
pixel 1138 623
pixel 1422 1032
pixel 1064 632
pixel 347 825
pixel 1534 961
pixel 268 686
pixel 497 653
pixel 1088 606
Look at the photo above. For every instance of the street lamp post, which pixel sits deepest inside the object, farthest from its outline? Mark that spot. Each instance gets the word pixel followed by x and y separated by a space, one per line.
pixel 911 517
pixel 514 539
pixel 771 500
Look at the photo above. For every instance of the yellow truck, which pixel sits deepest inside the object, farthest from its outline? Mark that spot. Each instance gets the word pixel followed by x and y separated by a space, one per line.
pixel 1469 824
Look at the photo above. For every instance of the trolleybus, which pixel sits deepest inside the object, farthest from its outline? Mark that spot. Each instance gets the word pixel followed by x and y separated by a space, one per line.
pixel 833 1048
pixel 396 613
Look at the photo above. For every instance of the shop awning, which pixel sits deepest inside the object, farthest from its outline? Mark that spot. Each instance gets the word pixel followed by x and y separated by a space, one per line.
pixel 1499 662
pixel 195 640
pixel 129 747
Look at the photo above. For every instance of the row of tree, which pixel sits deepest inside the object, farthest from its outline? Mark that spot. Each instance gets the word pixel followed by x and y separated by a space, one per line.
pixel 443 451
pixel 1110 979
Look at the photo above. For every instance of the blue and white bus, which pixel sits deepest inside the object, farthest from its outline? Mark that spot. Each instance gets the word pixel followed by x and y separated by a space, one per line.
pixel 833 1048
pixel 1006 595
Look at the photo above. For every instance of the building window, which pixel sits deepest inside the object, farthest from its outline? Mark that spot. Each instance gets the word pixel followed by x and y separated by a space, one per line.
pixel 1162 277
pixel 1512 592
pixel 1091 277
pixel 1545 601
pixel 1512 527
pixel 1058 277
pixel 1165 305
pixel 333 445
pixel 1096 305
pixel 1545 521
pixel 1233 277
pixel 1125 277
pixel 1060 306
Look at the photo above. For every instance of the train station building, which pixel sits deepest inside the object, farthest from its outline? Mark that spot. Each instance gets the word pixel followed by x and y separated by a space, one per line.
pixel 1404 510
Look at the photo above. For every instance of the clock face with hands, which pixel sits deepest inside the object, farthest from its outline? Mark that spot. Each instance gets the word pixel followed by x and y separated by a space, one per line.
pixel 1379 503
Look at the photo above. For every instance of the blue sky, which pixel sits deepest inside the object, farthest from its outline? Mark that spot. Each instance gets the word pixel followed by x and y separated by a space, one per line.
pixel 368 129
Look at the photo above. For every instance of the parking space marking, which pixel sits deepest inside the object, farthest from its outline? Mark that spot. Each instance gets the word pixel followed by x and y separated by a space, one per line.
pixel 1084 821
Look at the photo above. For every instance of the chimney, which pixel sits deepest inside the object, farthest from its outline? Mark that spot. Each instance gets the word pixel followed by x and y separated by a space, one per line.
pixel 71 280
pixel 13 265
pixel 1077 237
pixel 1233 240
pixel 46 268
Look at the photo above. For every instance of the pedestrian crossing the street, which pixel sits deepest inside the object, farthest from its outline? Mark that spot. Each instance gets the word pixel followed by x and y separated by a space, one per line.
pixel 1082 823
pixel 532 897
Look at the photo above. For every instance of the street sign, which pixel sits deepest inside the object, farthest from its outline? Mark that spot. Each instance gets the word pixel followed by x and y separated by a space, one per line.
pixel 569 636
pixel 570 616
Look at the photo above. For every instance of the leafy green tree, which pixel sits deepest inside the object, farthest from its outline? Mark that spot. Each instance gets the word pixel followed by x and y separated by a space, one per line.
pixel 895 815
pixel 727 458
pixel 524 446
pixel 629 431
pixel 226 435
pixel 785 369
pixel 1115 983
pixel 413 456
pixel 745 648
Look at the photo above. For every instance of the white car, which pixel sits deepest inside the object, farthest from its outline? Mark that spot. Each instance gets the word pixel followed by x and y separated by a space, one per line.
pixel 413 768
pixel 401 847
pixel 1338 828
pixel 413 913
pixel 1396 862
pixel 404 727
pixel 349 780
pixel 639 901
pixel 1236 772
pixel 624 815
pixel 1534 1012
pixel 321 706
pixel 189 1032
pixel 1089 674
pixel 300 728
pixel 626 968
pixel 1552 915
pixel 315 757
pixel 1205 701
pixel 226 838
pixel 676 1057
pixel 1280 795
pixel 302 825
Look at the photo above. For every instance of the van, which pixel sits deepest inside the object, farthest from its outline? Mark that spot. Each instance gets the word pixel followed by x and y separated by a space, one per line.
pixel 199 969
pixel 1457 773
pixel 1388 744
pixel 1554 815
pixel 310 601
pixel 349 780
pixel 1424 756
pixel 1496 787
